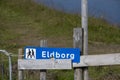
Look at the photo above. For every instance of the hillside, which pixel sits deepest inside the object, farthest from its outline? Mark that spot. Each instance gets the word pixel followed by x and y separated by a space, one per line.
pixel 24 23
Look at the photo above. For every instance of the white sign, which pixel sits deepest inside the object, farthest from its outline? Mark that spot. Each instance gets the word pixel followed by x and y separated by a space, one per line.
pixel 30 53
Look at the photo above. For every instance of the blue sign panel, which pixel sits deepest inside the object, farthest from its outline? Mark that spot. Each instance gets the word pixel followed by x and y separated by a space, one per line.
pixel 57 53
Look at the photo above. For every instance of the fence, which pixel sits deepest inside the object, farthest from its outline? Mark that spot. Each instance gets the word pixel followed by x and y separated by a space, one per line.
pixel 104 69
pixel 96 73
pixel 85 61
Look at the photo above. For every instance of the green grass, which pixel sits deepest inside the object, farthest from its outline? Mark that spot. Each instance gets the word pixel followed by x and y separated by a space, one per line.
pixel 25 23
pixel 21 20
pixel 101 31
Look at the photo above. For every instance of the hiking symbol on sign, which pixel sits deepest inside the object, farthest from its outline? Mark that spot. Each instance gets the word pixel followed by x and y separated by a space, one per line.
pixel 30 53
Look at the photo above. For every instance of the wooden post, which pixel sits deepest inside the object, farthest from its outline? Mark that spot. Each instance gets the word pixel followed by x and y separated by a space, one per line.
pixel 20 72
pixel 43 73
pixel 77 43
pixel 85 29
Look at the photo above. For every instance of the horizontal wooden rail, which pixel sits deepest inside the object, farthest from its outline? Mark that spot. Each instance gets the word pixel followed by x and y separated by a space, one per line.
pixel 98 60
pixel 85 60
pixel 44 64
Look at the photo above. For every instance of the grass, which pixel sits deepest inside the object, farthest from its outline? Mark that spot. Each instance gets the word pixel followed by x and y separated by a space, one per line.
pixel 100 31
pixel 21 20
pixel 25 19
pixel 25 23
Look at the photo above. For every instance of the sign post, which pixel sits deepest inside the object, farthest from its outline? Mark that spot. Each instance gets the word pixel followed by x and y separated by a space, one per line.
pixel 20 72
pixel 77 43
pixel 43 73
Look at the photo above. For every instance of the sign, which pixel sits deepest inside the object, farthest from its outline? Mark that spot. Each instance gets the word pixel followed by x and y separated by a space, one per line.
pixel 56 53
pixel 44 64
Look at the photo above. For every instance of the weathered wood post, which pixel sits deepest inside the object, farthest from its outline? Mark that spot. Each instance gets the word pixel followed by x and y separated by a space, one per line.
pixel 77 43
pixel 84 11
pixel 43 73
pixel 20 72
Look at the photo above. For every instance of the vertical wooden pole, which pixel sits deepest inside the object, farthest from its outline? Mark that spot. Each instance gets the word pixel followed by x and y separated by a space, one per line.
pixel 77 43
pixel 85 34
pixel 85 26
pixel 20 72
pixel 43 73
